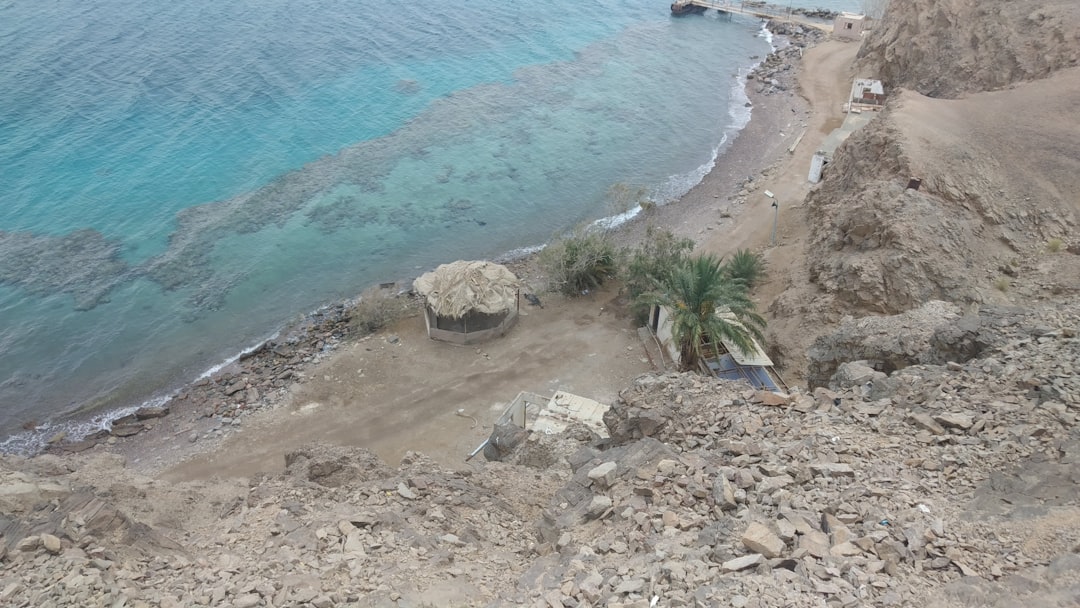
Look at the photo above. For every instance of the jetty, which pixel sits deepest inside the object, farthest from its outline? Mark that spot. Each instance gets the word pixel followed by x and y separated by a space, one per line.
pixel 761 10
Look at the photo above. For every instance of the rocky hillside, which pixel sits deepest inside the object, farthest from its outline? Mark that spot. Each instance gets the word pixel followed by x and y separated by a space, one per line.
pixel 936 464
pixel 995 218
pixel 937 485
pixel 946 48
pixel 999 171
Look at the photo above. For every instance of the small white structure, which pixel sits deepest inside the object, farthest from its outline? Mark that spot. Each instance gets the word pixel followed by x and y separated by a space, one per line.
pixel 866 94
pixel 849 26
pixel 866 98
pixel 550 415
pixel 468 302
pixel 817 165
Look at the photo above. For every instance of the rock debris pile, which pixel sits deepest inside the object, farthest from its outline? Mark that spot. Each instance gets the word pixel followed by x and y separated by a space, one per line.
pixel 936 485
pixel 776 73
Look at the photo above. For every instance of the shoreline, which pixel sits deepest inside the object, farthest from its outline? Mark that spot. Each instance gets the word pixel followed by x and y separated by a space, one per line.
pixel 260 378
pixel 93 419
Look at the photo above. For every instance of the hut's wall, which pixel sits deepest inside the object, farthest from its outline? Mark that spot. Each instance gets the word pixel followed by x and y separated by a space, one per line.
pixel 470 329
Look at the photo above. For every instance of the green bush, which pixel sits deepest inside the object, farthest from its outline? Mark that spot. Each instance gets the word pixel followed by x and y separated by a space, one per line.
pixel 748 266
pixel 580 261
pixel 650 263
pixel 1054 245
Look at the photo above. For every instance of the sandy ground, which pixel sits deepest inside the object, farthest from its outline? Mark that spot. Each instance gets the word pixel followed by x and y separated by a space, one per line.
pixel 399 391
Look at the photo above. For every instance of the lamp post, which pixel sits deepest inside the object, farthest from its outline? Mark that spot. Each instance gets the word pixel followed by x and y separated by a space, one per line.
pixel 776 214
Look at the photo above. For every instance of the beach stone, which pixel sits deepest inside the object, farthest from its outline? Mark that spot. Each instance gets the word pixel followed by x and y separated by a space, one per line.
pixel 146 413
pixel 127 430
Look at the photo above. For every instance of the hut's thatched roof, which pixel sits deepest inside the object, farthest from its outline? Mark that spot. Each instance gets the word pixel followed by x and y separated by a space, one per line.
pixel 456 289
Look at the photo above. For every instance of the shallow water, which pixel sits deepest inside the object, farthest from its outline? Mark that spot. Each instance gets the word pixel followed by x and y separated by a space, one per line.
pixel 181 179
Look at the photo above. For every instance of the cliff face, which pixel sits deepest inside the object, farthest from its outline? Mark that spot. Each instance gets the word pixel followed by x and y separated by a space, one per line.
pixel 999 175
pixel 946 48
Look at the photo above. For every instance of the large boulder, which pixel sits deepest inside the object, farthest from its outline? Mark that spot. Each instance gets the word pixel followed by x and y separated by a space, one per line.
pixel 334 466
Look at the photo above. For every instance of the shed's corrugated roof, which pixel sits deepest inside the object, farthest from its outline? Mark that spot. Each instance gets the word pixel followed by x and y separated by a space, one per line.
pixel 756 357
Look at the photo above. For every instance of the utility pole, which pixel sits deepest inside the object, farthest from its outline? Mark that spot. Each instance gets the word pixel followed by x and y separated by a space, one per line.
pixel 776 215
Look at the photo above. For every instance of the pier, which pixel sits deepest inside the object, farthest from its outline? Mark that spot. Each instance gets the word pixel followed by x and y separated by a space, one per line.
pixel 761 10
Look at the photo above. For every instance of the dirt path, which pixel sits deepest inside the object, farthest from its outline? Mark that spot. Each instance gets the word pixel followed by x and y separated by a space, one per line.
pixel 400 391
pixel 825 81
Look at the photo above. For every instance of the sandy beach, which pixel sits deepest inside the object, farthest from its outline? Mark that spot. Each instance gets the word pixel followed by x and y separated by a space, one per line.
pixel 397 391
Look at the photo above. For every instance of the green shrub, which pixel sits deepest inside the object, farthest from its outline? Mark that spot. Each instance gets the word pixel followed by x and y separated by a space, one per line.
pixel 651 262
pixel 1002 284
pixel 580 261
pixel 748 266
pixel 1054 245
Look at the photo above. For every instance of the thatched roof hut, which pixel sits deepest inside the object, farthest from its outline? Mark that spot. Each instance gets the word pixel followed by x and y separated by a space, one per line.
pixel 468 302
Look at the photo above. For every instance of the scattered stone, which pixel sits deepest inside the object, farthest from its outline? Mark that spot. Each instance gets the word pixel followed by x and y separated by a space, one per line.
pixel 598 506
pixel 604 474
pixel 832 469
pixel 760 539
pixel 148 412
pixel 924 421
pixel 954 420
pixel 51 543
pixel 742 563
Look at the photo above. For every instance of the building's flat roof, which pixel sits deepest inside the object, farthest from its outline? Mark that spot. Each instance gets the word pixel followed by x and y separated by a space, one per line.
pixel 756 357
pixel 566 408
pixel 859 84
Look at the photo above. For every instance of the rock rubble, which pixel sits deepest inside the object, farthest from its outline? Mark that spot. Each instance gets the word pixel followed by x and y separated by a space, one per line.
pixel 932 485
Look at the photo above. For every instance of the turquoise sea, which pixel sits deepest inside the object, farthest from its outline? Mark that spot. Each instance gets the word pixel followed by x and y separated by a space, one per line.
pixel 178 180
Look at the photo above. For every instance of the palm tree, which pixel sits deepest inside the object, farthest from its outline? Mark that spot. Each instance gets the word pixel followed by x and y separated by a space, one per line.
pixel 694 293
pixel 748 266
